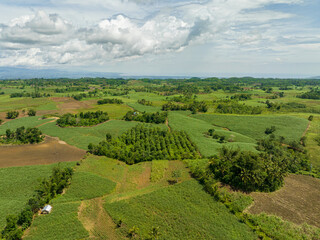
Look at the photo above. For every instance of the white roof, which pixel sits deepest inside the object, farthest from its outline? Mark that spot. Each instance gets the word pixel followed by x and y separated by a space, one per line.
pixel 47 208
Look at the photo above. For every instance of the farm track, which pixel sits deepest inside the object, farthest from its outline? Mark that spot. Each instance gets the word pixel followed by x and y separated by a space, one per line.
pixel 307 129
pixel 96 220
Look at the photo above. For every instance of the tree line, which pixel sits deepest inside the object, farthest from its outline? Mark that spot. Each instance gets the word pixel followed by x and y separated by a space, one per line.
pixel 33 95
pixel 234 107
pixel 261 171
pixel 22 136
pixel 110 101
pixel 146 117
pixel 313 94
pixel 195 106
pixel 145 102
pixel 46 191
pixel 82 119
pixel 146 143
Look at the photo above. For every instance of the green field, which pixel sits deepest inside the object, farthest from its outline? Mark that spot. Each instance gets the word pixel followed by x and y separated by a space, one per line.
pixel 290 127
pixel 18 185
pixel 173 208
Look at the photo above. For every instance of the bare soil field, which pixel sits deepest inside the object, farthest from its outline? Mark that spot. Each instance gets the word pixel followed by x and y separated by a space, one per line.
pixel 50 151
pixel 71 105
pixel 298 201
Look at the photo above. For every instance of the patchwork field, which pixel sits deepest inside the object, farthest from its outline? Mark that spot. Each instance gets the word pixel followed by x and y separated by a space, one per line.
pixel 48 152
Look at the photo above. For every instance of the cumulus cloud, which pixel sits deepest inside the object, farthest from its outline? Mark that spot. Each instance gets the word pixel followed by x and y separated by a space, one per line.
pixel 44 39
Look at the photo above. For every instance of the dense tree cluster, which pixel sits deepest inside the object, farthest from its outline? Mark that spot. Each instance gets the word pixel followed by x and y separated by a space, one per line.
pixel 33 95
pixel 117 93
pixel 313 94
pixel 47 190
pixel 236 108
pixel 195 106
pixel 110 101
pixel 146 117
pixel 12 114
pixel 22 136
pixel 32 112
pixel 262 171
pixel 82 119
pixel 79 96
pixel 71 89
pixel 145 143
pixel 145 102
pixel 241 97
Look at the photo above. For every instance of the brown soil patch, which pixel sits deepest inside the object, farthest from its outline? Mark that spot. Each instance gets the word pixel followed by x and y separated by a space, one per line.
pixel 143 180
pixel 48 152
pixel 71 105
pixel 96 220
pixel 3 116
pixel 298 201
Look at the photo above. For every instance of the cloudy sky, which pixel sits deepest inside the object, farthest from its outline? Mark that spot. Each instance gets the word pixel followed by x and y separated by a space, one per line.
pixel 163 37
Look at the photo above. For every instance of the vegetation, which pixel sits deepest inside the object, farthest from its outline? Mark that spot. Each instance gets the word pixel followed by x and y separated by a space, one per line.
pixel 194 107
pixel 82 119
pixel 158 170
pixel 32 113
pixel 12 114
pixel 143 143
pixel 22 136
pixel 263 171
pixel 145 102
pixel 146 117
pixel 236 108
pixel 47 190
pixel 110 101
pixel 313 94
pixel 32 95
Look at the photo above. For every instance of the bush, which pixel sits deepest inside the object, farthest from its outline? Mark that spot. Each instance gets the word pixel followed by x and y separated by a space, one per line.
pixel 146 117
pixel 12 114
pixel 110 101
pixel 270 130
pixel 31 112
pixel 82 119
pixel 22 135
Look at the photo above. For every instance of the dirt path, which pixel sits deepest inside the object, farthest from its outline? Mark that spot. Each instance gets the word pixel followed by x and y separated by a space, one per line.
pixel 54 119
pixel 96 220
pixel 305 131
pixel 167 123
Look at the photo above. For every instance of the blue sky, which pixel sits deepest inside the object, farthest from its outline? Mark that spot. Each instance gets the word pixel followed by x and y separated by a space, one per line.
pixel 152 37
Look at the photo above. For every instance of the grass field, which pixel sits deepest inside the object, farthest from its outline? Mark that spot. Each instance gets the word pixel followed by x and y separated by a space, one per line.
pixel 18 185
pixel 62 223
pixel 208 146
pixel 182 211
pixel 290 127
pixel 158 170
pixel 25 121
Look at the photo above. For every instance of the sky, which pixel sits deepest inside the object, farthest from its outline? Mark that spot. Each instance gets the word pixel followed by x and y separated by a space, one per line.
pixel 276 38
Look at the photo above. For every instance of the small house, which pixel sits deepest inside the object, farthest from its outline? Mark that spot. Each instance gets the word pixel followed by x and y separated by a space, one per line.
pixel 47 209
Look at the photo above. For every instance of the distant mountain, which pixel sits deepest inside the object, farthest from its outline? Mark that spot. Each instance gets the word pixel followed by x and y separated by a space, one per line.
pixel 317 77
pixel 26 73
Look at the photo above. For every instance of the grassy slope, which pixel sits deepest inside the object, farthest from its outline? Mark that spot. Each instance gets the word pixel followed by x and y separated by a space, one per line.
pixel 82 136
pixel 182 211
pixel 18 185
pixel 312 146
pixel 25 121
pixel 196 129
pixel 290 127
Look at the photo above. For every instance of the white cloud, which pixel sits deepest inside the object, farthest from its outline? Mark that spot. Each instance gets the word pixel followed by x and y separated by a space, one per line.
pixel 142 28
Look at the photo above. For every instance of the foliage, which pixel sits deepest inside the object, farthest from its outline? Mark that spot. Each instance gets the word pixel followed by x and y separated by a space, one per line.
pixel 313 94
pixel 145 102
pixel 241 97
pixel 32 112
pixel 22 136
pixel 236 108
pixel 12 114
pixel 83 119
pixel 194 107
pixel 143 143
pixel 270 130
pixel 263 171
pixel 32 95
pixel 317 139
pixel 110 101
pixel 146 117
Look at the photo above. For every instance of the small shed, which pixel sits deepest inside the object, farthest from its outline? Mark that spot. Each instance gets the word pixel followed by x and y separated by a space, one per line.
pixel 47 209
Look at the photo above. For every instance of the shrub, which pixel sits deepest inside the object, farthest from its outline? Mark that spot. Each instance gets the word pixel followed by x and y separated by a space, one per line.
pixel 12 114
pixel 31 112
